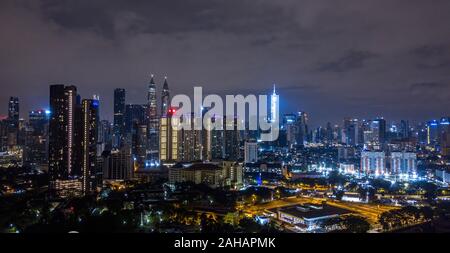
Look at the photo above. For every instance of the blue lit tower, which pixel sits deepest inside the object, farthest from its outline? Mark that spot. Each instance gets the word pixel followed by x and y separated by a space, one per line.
pixel 274 105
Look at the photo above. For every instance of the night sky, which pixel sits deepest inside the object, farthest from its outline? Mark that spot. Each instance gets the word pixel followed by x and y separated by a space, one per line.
pixel 360 58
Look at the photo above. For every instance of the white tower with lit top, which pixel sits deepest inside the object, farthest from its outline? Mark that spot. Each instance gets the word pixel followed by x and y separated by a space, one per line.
pixel 274 102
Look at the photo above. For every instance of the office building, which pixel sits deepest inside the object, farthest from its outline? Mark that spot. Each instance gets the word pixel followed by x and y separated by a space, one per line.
pixel 302 128
pixel 232 139
pixel 119 117
pixel 191 146
pixel 250 152
pixel 165 99
pixel 13 121
pixel 350 132
pixel 135 114
pixel 117 165
pixel 36 147
pixel 139 144
pixel 227 174
pixel 153 122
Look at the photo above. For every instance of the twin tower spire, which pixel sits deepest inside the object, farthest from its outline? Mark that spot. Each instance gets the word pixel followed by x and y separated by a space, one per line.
pixel 165 96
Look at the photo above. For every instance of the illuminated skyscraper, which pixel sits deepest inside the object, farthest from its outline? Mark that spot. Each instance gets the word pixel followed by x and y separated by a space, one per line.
pixel 191 146
pixel 13 111
pixel 289 125
pixel 378 127
pixel 119 123
pixel 250 152
pixel 351 131
pixel 169 138
pixel 89 144
pixel 302 128
pixel 36 139
pixel 232 139
pixel 213 141
pixel 405 130
pixel 117 164
pixel 437 131
pixel 153 121
pixel 274 106
pixel 139 138
pixel 165 99
pixel 135 113
pixel 444 136
pixel 104 137
pixel 62 160
pixel 13 121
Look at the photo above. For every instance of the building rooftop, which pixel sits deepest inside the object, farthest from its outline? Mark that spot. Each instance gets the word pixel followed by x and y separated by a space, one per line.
pixel 268 164
pixel 196 166
pixel 312 211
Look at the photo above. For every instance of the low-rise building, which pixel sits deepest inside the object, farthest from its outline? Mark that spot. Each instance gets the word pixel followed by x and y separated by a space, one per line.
pixel 443 175
pixel 403 163
pixel 213 175
pixel 373 163
pixel 308 217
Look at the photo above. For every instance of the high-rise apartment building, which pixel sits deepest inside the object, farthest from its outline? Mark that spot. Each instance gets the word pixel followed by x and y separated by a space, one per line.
pixel 63 160
pixel 169 138
pixel 250 152
pixel 89 144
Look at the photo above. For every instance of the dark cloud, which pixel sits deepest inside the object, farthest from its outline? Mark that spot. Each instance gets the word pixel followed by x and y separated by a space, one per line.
pixel 263 41
pixel 162 17
pixel 420 87
pixel 432 56
pixel 352 60
pixel 428 51
pixel 332 58
pixel 435 65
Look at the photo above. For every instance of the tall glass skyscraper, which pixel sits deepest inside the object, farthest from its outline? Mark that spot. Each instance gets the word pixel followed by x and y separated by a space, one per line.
pixel 119 123
pixel 153 121
pixel 13 121
pixel 13 111
pixel 165 99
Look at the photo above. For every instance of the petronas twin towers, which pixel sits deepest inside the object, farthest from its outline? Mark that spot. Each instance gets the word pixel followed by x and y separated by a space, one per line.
pixel 152 101
pixel 153 118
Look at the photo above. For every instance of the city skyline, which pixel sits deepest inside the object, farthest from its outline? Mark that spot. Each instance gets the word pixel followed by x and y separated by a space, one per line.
pixel 249 120
pixel 313 123
pixel 364 59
